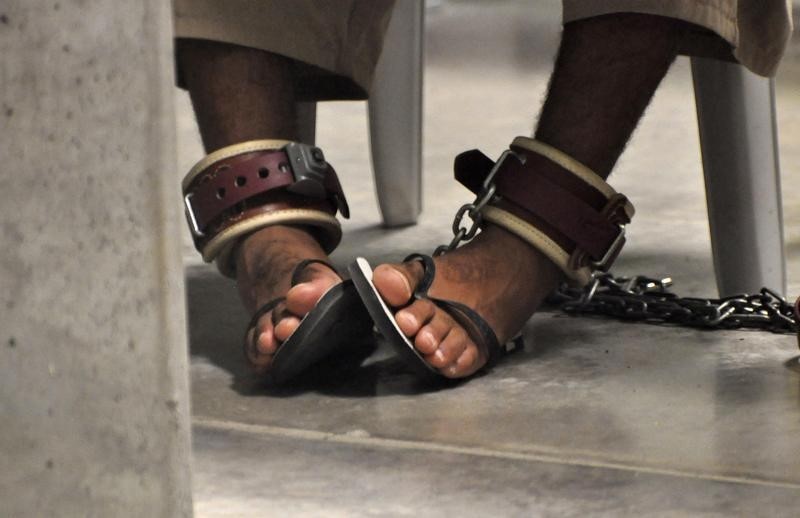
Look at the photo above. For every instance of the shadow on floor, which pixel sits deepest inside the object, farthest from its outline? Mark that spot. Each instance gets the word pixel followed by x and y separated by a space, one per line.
pixel 217 321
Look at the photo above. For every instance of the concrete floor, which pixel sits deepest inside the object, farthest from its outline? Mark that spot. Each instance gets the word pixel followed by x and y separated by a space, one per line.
pixel 595 417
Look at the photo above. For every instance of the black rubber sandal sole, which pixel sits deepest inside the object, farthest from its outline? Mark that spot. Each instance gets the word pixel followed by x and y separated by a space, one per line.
pixel 383 317
pixel 478 329
pixel 339 323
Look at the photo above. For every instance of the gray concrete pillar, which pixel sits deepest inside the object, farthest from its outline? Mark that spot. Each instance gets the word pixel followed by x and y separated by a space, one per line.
pixel 94 410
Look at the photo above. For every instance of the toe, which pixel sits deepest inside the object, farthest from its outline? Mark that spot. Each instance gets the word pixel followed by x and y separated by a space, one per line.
pixel 394 282
pixel 260 345
pixel 466 364
pixel 433 333
pixel 278 325
pixel 266 342
pixel 453 345
pixel 285 327
pixel 302 298
pixel 314 282
pixel 412 318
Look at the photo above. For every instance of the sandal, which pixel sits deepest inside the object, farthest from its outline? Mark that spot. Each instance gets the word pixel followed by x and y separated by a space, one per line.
pixel 242 188
pixel 476 327
pixel 567 212
pixel 337 324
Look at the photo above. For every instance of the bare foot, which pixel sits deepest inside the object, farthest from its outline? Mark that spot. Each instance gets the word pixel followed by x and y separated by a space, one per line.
pixel 264 267
pixel 500 276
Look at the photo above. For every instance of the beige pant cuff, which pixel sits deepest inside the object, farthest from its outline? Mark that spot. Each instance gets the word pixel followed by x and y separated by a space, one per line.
pixel 756 30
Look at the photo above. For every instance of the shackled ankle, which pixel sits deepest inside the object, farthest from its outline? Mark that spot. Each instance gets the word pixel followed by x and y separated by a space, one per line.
pixel 570 215
pixel 240 189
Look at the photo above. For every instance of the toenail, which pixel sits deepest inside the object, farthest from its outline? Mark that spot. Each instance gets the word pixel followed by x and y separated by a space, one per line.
pixel 439 355
pixel 408 318
pixel 262 343
pixel 402 278
pixel 428 339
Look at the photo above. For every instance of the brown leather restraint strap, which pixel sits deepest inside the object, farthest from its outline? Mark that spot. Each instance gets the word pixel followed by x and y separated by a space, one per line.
pixel 569 213
pixel 235 180
pixel 241 188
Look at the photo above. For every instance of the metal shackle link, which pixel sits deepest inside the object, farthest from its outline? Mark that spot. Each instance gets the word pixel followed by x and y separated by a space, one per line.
pixel 462 233
pixel 646 299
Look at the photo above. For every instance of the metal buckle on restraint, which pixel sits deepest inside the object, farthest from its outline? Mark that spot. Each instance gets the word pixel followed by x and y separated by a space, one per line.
pixel 612 251
pixel 190 217
pixel 309 168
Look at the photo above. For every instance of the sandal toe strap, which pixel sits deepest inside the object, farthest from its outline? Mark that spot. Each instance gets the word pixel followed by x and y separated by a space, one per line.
pixel 250 345
pixel 299 270
pixel 428 274
pixel 476 327
pixel 297 277
pixel 263 310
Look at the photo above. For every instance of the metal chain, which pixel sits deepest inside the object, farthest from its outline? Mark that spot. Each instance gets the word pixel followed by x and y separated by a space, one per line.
pixel 645 299
pixel 461 232
pixel 639 298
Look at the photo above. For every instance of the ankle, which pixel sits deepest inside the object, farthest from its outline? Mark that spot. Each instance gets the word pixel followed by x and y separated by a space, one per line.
pixel 287 240
pixel 266 258
pixel 532 261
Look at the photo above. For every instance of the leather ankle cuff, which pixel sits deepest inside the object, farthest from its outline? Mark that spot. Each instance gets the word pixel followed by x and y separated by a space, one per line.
pixel 568 213
pixel 245 187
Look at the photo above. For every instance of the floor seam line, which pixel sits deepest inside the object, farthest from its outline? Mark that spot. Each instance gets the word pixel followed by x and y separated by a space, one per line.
pixel 410 445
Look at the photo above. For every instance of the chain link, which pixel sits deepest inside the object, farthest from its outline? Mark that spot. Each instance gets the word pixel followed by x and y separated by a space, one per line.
pixel 646 299
pixel 461 232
